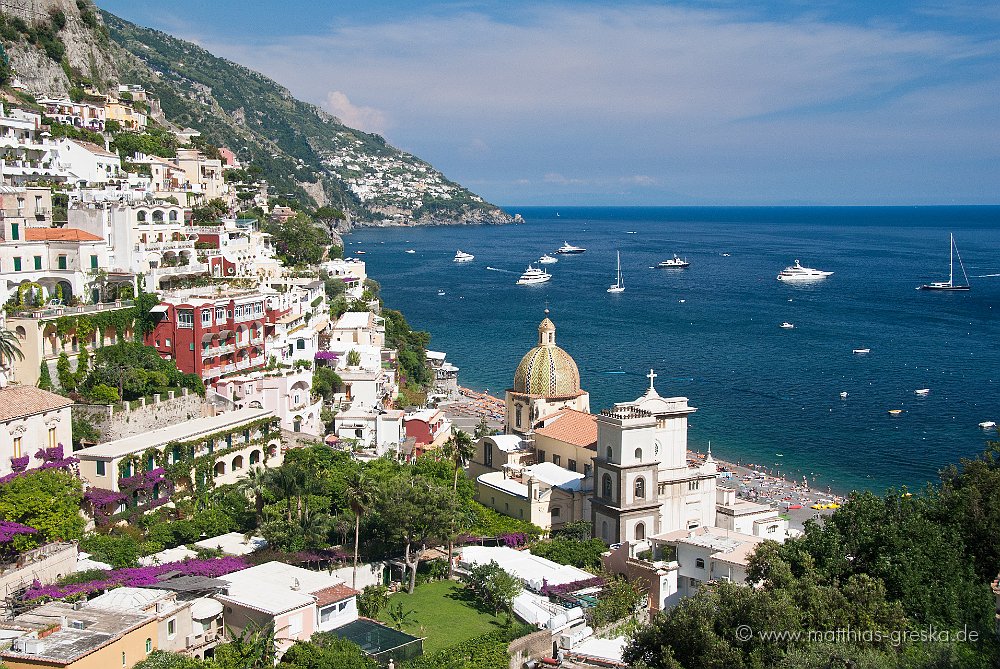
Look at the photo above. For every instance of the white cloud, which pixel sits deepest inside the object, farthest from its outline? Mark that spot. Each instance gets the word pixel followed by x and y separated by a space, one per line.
pixel 368 119
pixel 640 180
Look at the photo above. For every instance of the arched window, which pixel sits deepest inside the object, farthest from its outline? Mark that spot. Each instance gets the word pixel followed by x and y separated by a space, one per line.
pixel 158 216
pixel 609 453
pixel 699 563
pixel 640 531
pixel 173 214
pixel 656 448
pixel 640 488
pixel 149 645
pixel 517 415
pixel 141 217
pixel 606 486
pixel 638 454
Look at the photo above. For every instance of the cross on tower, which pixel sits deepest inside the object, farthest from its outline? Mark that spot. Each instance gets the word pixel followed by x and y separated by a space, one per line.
pixel 652 375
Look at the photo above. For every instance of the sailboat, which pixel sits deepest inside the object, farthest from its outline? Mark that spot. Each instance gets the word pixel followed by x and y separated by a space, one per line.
pixel 950 284
pixel 618 286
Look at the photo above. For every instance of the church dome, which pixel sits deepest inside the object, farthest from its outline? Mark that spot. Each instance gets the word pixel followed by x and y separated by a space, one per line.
pixel 547 370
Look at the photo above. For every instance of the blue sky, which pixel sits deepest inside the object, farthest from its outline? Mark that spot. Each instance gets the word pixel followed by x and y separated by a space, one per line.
pixel 699 103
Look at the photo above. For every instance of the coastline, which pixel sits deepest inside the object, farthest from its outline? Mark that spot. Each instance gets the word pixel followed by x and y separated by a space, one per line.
pixel 753 482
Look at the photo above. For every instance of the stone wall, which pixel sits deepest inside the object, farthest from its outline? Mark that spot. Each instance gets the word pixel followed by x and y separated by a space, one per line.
pixel 46 564
pixel 532 646
pixel 161 411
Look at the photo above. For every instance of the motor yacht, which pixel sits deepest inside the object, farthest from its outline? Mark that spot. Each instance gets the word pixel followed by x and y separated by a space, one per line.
pixel 547 260
pixel 674 263
pixel 533 275
pixel 799 273
pixel 568 248
pixel 462 256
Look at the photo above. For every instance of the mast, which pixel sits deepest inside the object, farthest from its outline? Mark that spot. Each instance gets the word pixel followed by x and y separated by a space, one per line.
pixel 951 261
pixel 620 283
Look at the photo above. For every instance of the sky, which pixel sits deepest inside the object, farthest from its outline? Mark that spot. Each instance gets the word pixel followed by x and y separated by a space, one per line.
pixel 724 102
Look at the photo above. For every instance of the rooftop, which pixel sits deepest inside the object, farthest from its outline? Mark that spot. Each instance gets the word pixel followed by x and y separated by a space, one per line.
pixel 276 587
pixel 572 427
pixel 22 401
pixel 233 543
pixel 724 545
pixel 131 600
pixel 531 569
pixel 85 630
pixel 59 235
pixel 352 320
pixel 185 431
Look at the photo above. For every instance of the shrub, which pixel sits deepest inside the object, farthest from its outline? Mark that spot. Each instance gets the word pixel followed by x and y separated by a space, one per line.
pixel 101 394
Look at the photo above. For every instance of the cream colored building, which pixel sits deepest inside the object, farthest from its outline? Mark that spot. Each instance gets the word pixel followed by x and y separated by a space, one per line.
pixel 31 419
pixel 543 494
pixel 60 634
pixel 236 441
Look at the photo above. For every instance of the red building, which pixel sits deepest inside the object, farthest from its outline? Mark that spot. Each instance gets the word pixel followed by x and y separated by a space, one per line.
pixel 212 335
pixel 429 428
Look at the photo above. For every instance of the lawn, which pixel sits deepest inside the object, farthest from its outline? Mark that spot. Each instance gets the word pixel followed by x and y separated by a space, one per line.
pixel 444 613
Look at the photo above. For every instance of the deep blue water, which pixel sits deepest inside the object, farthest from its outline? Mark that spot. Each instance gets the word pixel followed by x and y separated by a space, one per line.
pixel 761 390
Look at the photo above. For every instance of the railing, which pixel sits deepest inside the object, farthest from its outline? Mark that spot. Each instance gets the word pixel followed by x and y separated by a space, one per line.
pixel 186 245
pixel 52 311
pixel 218 350
pixel 192 268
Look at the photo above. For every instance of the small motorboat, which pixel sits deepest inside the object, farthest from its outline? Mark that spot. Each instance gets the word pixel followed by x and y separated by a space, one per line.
pixel 410 251
pixel 786 326
pixel 462 256
pixel 895 412
pixel 861 351
pixel 674 263
pixel 843 395
pixel 441 292
pixel 547 260
pixel 922 391
pixel 988 425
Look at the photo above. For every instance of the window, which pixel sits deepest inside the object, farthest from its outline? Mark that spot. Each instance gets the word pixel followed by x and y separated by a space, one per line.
pixel 149 645
pixel 300 344
pixel 517 410
pixel 326 614
pixel 541 456
pixel 239 311
pixel 587 469
pixel 556 511
pixel 608 456
pixel 693 485
pixel 771 529
pixel 62 262
pixel 206 316
pixel 220 314
pixel 173 214
pixel 17 264
pixel 295 624
pixel 571 465
pixel 124 661
pixel 166 343
pixel 52 437
pixel 638 454
pixel 185 318
pixel 640 488
pixel 38 262
pixel 606 486
pixel 557 460
pixel 101 468
pixel 15 233
pixel 699 563
pixel 171 628
pixel 640 531
pixel 17 447
pixel 93 262
pixel 488 454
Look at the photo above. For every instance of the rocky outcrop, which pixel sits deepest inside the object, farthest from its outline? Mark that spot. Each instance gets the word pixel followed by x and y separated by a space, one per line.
pixel 86 48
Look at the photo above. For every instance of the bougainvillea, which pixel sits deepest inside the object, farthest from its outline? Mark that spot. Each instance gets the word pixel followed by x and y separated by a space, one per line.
pixel 573 586
pixel 52 458
pixel 9 530
pixel 136 577
pixel 514 539
pixel 18 465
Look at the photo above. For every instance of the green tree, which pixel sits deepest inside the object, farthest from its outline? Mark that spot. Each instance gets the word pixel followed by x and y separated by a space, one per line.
pixel 353 358
pixel 400 616
pixel 84 430
pixel 120 551
pixel 10 348
pixel 253 647
pixel 326 382
pixel 325 650
pixel 360 494
pixel 44 377
pixel 373 600
pixel 494 587
pixel 578 530
pixel 67 379
pixel 582 554
pixel 459 449
pixel 161 659
pixel 299 240
pixel 47 500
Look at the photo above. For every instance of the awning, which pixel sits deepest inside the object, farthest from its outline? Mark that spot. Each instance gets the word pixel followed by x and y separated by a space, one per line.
pixel 159 309
pixel 205 608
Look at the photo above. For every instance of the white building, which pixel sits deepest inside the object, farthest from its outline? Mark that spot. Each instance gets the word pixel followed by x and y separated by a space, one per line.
pixel 27 152
pixel 357 328
pixel 349 270
pixel 745 517
pixel 87 162
pixel 31 420
pixel 286 392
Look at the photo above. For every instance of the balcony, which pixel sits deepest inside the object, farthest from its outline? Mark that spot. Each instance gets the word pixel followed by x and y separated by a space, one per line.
pixel 181 270
pixel 183 245
pixel 218 350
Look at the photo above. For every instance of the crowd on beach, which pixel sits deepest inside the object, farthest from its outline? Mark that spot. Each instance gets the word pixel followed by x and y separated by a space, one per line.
pixel 477 405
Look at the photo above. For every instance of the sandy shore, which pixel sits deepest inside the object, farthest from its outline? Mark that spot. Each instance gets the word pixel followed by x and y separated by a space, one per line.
pixel 753 482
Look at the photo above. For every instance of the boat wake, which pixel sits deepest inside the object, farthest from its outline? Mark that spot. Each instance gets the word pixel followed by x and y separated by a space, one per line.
pixel 497 269
pixel 983 276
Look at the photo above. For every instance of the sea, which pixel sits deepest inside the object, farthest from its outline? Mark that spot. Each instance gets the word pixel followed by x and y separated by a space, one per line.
pixel 765 394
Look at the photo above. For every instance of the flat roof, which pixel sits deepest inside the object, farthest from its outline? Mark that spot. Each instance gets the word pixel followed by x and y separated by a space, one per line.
pixel 181 432
pixel 276 587
pixel 352 320
pixel 531 569
pixel 233 543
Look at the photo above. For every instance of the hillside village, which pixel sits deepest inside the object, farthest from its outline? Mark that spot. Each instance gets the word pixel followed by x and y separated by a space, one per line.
pixel 220 450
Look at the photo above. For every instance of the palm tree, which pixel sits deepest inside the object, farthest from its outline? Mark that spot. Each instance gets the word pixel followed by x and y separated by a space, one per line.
pixel 10 347
pixel 360 494
pixel 315 529
pixel 253 647
pixel 255 485
pixel 460 449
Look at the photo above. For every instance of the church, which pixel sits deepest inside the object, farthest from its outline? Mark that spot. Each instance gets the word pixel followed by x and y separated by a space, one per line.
pixel 625 469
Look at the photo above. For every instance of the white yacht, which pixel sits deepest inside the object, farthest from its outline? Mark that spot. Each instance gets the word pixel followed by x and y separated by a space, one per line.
pixel 861 351
pixel 674 263
pixel 799 273
pixel 922 391
pixel 410 251
pixel 568 248
pixel 987 425
pixel 533 275
pixel 462 256
pixel 950 283
pixel 786 326
pixel 547 260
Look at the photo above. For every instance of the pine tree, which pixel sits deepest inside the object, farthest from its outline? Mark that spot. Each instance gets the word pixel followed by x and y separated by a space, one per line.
pixel 44 378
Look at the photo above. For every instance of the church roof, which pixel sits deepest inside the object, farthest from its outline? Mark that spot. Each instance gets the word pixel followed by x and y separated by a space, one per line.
pixel 572 427
pixel 547 370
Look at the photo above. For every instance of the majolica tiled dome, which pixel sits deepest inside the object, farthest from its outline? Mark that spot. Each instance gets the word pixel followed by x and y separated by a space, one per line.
pixel 547 370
